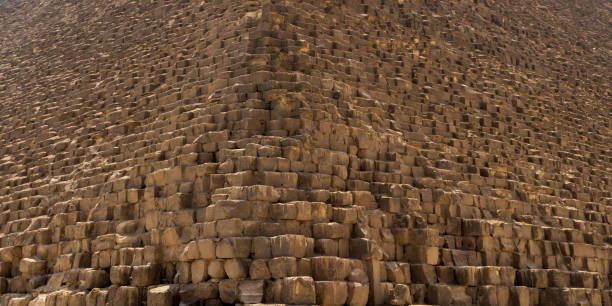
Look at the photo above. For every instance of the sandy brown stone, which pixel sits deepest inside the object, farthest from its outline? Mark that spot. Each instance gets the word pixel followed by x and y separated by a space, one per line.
pixel 305 152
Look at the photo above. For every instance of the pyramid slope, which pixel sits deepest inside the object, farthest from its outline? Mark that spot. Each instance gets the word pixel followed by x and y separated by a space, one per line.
pixel 305 152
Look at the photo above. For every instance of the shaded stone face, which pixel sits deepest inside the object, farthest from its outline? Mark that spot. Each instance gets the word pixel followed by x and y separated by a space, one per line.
pixel 305 152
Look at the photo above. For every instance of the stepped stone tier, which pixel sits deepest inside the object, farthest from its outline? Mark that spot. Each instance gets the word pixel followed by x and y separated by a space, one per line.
pixel 305 152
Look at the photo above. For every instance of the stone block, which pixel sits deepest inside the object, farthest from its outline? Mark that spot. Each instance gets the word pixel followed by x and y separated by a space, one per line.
pixel 251 291
pixel 289 245
pixel 236 247
pixel 536 278
pixel 331 230
pixel 263 193
pixel 120 275
pixel 183 272
pixel 199 270
pixel 145 275
pixel 422 254
pixel 206 248
pixel 487 295
pixel 558 296
pixel 298 290
pixel 190 252
pixel 330 268
pixel 439 294
pixel 489 276
pixel 331 292
pixel 394 273
pixel 281 267
pixel 357 294
pixel 125 295
pixel 398 294
pixel 216 269
pixel 423 273
pixel 228 291
pixel 165 295
pixel 32 266
pixel 94 278
pixel 259 270
pixel 206 291
pixel 236 268
pixel 519 295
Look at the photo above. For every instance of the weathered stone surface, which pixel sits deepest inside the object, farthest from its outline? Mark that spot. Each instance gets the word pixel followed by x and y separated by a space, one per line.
pixel 165 295
pixel 331 292
pixel 305 152
pixel 120 275
pixel 145 275
pixel 298 290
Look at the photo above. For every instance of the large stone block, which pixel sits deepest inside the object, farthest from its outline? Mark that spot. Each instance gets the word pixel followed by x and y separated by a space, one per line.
pixel 289 245
pixel 145 275
pixel 32 265
pixel 165 295
pixel 330 268
pixel 331 292
pixel 298 290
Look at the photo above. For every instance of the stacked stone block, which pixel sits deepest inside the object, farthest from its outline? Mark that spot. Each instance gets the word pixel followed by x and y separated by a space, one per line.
pixel 303 152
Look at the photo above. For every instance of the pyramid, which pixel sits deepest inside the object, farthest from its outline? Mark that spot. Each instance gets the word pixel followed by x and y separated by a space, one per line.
pixel 381 152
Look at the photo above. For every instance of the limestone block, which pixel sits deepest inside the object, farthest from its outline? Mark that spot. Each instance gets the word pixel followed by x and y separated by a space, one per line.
pixel 289 245
pixel 32 265
pixel 236 268
pixel 206 249
pixel 261 247
pixel 533 278
pixel 439 294
pixel 145 275
pixel 364 198
pixel 489 276
pixel 503 296
pixel 206 290
pixel 331 230
pixel 560 279
pixel 199 270
pixel 190 252
pixel 475 227
pixel 446 274
pixel 394 273
pixel 228 291
pixel 330 268
pixel 399 294
pixel 345 215
pixel 236 247
pixel 281 267
pixel 259 270
pixel 423 273
pixel 298 290
pixel 120 275
pixel 340 198
pixel 165 295
pixel 5 268
pixel 558 296
pixel 263 193
pixel 422 254
pixel 96 297
pixel 251 291
pixel 331 292
pixel 183 272
pixel 19 301
pixel 126 295
pixel 94 278
pixel 216 269
pixel 487 295
pixel 357 294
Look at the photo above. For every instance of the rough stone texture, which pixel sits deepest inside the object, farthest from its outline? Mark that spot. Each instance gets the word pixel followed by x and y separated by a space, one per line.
pixel 302 152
